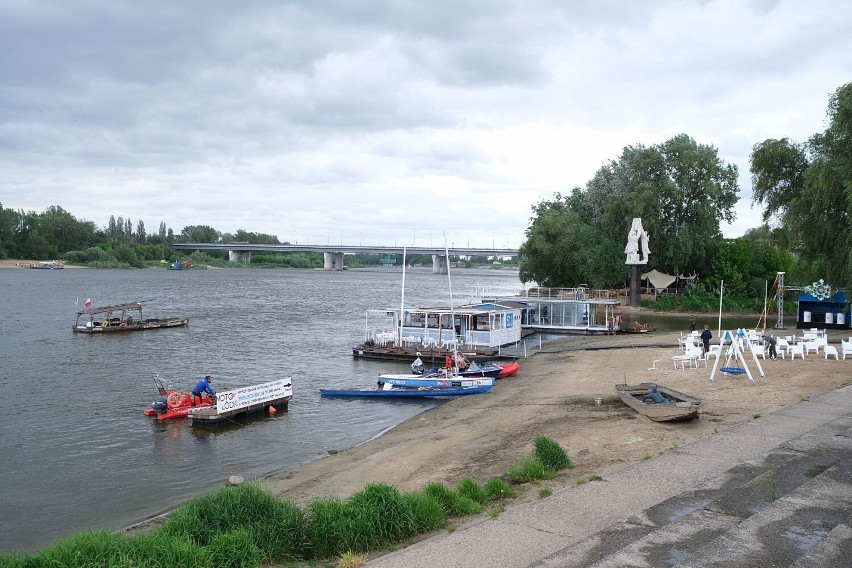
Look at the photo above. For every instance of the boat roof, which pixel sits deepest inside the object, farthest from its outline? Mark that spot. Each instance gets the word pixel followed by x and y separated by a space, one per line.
pixel 135 306
pixel 466 309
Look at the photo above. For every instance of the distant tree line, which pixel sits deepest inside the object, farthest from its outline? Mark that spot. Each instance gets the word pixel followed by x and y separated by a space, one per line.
pixel 56 234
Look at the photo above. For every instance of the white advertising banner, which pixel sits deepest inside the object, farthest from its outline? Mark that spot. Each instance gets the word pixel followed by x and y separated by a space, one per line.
pixel 254 394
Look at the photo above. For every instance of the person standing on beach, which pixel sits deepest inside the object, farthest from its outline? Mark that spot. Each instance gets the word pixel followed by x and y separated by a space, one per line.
pixel 706 336
pixel 691 323
pixel 773 343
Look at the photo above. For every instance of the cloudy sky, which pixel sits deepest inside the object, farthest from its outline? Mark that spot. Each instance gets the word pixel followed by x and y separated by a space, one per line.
pixel 389 122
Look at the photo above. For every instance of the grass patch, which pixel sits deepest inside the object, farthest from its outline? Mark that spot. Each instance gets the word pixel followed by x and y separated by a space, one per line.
pixel 646 456
pixel 545 492
pixel 351 560
pixel 755 416
pixel 551 454
pixel 529 469
pixel 584 480
pixel 804 398
pixel 496 489
pixel 454 504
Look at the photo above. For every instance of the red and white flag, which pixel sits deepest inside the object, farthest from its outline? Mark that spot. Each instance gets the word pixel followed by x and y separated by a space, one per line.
pixel 88 303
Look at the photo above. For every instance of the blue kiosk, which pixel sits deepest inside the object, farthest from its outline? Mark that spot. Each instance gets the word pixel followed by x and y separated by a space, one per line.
pixel 819 308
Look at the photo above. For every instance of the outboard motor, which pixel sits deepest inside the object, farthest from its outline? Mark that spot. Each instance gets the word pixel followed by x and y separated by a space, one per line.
pixel 160 405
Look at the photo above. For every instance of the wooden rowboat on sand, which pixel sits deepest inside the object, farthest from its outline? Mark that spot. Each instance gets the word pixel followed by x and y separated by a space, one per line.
pixel 658 402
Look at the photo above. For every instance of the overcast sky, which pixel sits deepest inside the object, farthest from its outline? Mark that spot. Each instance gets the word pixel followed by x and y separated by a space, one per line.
pixel 389 122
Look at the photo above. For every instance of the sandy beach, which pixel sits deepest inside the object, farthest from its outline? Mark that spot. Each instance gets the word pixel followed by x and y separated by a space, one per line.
pixel 554 395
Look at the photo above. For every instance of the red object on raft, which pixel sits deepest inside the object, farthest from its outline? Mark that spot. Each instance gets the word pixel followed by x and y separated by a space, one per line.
pixel 176 405
pixel 509 369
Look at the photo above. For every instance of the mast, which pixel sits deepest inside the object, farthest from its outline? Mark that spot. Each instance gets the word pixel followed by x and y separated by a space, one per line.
pixel 452 311
pixel 402 302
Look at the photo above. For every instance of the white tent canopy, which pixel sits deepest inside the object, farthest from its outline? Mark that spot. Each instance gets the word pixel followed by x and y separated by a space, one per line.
pixel 659 280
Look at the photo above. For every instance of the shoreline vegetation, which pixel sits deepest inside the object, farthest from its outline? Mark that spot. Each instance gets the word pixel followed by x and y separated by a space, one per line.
pixel 564 393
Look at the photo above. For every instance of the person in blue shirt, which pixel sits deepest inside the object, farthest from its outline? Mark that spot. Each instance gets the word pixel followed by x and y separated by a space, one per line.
pixel 203 386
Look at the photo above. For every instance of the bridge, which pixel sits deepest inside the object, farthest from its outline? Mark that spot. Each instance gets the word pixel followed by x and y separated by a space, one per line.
pixel 333 254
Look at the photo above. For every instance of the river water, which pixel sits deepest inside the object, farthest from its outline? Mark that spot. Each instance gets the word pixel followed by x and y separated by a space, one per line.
pixel 79 454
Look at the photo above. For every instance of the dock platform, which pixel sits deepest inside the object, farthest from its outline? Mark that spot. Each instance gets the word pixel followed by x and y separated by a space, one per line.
pixel 232 406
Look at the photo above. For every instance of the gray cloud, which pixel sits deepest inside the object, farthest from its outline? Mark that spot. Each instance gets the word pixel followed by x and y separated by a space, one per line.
pixel 365 119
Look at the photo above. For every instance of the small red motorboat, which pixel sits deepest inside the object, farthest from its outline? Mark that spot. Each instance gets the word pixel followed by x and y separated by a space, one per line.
pixel 174 404
pixel 509 369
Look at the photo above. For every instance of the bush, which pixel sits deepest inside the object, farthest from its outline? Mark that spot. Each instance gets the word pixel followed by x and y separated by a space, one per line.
pixel 551 454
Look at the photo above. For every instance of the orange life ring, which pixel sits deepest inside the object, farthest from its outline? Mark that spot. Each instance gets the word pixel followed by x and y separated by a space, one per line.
pixel 123 324
pixel 174 399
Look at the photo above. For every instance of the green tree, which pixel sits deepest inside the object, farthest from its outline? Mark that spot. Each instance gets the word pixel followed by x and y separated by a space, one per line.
pixel 561 249
pixel 807 189
pixel 198 234
pixel 680 189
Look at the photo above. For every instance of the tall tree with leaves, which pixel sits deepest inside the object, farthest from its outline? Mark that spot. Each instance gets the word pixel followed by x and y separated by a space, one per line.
pixel 680 189
pixel 807 189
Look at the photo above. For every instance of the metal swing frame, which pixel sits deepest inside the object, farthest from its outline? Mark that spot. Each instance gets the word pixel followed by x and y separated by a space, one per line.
pixel 735 351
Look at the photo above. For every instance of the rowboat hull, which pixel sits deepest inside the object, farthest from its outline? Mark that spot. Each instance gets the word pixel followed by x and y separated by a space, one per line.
pixel 417 381
pixel 141 326
pixel 407 393
pixel 509 370
pixel 675 406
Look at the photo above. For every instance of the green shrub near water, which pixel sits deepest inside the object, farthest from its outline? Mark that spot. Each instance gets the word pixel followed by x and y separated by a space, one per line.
pixel 551 454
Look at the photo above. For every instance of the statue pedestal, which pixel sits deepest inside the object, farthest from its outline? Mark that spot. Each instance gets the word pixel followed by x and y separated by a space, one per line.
pixel 635 273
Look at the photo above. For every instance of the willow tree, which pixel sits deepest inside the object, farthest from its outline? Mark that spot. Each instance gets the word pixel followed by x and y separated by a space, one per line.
pixel 807 190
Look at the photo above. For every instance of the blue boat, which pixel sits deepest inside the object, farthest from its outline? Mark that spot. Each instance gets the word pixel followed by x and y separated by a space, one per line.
pixel 440 381
pixel 407 392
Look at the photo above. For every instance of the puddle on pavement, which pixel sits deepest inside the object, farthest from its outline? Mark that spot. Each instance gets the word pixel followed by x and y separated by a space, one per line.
pixel 805 538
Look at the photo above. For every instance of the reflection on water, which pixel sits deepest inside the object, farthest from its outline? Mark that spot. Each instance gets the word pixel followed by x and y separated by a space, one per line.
pixel 78 451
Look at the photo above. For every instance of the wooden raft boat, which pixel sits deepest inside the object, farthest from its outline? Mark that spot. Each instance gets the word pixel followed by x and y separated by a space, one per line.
pixel 658 402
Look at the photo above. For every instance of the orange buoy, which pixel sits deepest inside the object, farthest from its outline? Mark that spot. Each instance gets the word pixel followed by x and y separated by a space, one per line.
pixel 272 409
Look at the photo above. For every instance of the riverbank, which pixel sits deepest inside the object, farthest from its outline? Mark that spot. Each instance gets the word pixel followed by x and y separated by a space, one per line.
pixel 17 263
pixel 554 395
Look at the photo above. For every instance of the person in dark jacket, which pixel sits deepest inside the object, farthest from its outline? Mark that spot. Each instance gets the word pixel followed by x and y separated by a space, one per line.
pixel 203 386
pixel 706 336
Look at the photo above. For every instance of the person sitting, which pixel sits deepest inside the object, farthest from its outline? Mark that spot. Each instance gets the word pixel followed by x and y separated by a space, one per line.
pixel 128 320
pixel 203 386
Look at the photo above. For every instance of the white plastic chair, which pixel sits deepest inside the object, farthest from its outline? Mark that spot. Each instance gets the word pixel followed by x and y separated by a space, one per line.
pixel 831 350
pixel 713 352
pixel 798 349
pixel 812 346
pixel 846 347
